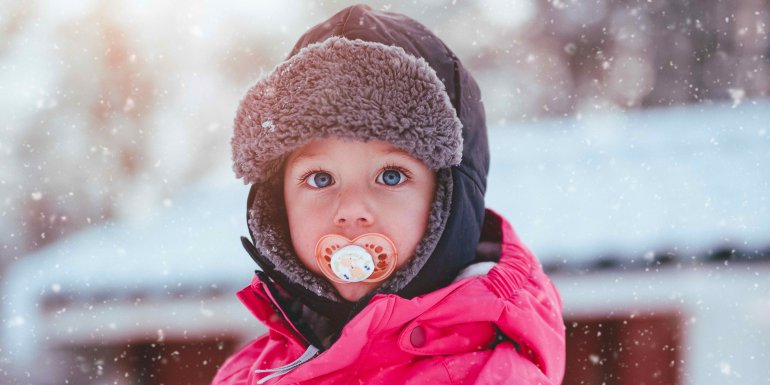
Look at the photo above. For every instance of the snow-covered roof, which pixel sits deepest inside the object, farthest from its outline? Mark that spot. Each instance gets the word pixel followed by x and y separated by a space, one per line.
pixel 684 179
pixel 188 248
pixel 192 240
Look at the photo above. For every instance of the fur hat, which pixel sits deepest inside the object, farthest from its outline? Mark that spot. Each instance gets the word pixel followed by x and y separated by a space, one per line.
pixel 350 89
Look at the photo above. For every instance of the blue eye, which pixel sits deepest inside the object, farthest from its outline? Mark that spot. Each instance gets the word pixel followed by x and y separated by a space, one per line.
pixel 320 179
pixel 391 177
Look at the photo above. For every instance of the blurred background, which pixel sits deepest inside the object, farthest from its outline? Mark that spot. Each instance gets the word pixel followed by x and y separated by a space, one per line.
pixel 630 150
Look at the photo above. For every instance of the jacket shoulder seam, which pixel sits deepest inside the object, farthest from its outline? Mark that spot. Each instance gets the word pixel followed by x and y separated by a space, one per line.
pixel 507 278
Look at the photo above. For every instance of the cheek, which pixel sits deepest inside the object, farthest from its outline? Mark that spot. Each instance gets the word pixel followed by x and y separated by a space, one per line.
pixel 304 229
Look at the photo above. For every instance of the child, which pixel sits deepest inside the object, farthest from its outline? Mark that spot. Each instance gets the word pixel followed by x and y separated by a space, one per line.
pixel 367 154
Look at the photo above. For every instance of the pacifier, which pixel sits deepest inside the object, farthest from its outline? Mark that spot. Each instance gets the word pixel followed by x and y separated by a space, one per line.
pixel 370 257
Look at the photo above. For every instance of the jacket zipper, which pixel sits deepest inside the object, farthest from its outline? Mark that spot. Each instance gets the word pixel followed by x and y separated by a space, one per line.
pixel 310 353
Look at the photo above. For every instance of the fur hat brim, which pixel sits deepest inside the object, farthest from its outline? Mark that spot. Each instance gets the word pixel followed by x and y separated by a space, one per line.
pixel 351 89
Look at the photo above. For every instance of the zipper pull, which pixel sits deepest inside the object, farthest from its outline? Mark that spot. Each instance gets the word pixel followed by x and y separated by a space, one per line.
pixel 311 352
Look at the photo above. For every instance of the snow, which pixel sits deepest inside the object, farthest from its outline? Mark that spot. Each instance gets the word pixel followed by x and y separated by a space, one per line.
pixel 689 178
pixel 189 246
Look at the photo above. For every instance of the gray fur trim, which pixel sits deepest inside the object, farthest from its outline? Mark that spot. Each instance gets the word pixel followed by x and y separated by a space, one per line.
pixel 269 228
pixel 348 89
pixel 267 222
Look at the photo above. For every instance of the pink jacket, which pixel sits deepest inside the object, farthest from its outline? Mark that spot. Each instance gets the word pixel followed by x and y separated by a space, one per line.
pixel 502 327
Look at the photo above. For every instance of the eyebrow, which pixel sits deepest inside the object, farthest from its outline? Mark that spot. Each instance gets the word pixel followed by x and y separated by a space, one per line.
pixel 309 155
pixel 397 151
pixel 302 156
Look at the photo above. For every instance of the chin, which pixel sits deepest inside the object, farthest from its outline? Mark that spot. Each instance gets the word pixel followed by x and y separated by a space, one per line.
pixel 353 291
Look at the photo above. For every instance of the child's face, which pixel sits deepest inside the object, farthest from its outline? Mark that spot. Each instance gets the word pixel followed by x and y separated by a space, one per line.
pixel 352 188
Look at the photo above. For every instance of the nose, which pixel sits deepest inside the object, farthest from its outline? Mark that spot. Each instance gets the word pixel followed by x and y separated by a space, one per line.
pixel 353 210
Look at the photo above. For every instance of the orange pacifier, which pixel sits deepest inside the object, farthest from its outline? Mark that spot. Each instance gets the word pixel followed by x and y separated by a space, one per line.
pixel 370 257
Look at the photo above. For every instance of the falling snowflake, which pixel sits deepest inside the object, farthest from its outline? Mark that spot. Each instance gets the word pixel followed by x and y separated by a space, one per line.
pixel 737 95
pixel 268 125
pixel 129 105
pixel 15 322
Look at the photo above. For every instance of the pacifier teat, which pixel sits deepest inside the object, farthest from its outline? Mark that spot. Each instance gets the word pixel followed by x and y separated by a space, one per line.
pixel 370 257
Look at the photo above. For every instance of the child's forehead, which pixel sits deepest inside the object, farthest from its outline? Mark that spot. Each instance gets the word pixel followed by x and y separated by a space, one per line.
pixel 327 147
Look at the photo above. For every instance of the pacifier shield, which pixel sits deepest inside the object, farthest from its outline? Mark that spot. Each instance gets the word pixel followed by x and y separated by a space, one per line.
pixel 370 257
